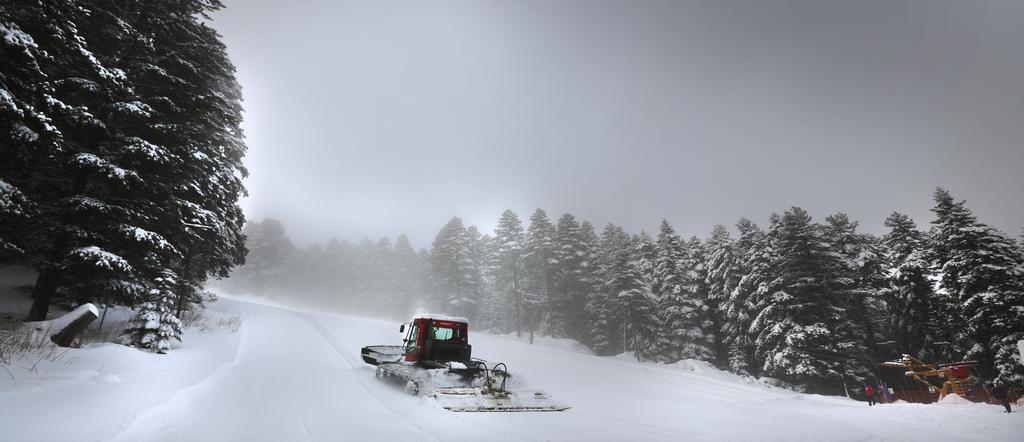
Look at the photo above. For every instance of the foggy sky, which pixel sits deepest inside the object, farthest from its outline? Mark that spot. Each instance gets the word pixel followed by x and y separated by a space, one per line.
pixel 382 117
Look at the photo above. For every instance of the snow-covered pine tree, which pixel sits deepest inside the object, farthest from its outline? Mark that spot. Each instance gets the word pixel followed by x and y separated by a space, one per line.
pixel 477 263
pixel 493 309
pixel 154 324
pixel 491 295
pixel 589 278
pixel 681 333
pixel 408 277
pixel 14 212
pixel 723 275
pixel 694 273
pixel 614 248
pixel 23 129
pixel 454 270
pixel 636 300
pixel 90 153
pixel 667 288
pixel 538 266
pixel 427 280
pixel 269 258
pixel 507 306
pixel 915 323
pixel 796 328
pixel 984 280
pixel 857 281
pixel 186 60
pixel 753 256
pixel 22 132
pixel 668 256
pixel 722 278
pixel 571 277
pixel 61 92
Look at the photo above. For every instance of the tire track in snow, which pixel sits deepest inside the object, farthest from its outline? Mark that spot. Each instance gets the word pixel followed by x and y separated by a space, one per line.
pixel 354 363
pixel 398 410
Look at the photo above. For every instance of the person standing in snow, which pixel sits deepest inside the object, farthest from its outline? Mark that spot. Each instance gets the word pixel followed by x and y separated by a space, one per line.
pixel 869 391
pixel 1001 393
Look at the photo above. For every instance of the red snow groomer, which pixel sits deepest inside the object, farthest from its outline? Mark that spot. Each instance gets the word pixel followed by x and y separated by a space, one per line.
pixel 436 360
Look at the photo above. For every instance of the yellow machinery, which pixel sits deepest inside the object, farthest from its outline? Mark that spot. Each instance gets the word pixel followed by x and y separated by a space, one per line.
pixel 955 375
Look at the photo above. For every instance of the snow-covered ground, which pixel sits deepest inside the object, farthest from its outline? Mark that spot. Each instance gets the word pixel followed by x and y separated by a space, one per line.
pixel 296 375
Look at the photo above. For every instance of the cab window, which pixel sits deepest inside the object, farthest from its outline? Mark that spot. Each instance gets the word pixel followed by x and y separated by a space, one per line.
pixel 410 340
pixel 449 334
pixel 443 333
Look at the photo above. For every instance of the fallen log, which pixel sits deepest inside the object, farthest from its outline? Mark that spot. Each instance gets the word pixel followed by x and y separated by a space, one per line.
pixel 63 330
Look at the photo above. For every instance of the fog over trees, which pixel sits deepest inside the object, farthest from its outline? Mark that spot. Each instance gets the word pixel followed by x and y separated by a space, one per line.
pixel 814 303
pixel 564 175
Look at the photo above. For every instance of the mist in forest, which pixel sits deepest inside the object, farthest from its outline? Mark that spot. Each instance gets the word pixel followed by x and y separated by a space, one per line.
pixel 402 114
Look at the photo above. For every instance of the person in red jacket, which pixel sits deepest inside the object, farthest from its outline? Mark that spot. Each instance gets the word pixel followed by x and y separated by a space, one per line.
pixel 869 391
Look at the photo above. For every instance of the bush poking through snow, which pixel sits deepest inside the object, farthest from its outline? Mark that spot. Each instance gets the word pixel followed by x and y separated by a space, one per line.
pixel 24 344
pixel 200 320
pixel 155 325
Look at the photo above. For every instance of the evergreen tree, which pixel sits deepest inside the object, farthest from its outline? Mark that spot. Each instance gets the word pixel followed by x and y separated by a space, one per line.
pixel 493 314
pixel 857 280
pixel 63 97
pixel 799 329
pixel 508 306
pixel 408 277
pixel 984 283
pixel 682 333
pixel 915 323
pixel 112 145
pixel 270 257
pixel 606 318
pixel 589 278
pixel 696 294
pixel 572 276
pixel 14 212
pixel 636 299
pixel 539 269
pixel 668 258
pixel 456 273
pixel 155 325
pixel 477 262
pixel 724 267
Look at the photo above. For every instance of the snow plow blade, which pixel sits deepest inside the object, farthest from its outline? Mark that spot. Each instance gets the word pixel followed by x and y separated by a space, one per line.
pixel 474 400
pixel 382 354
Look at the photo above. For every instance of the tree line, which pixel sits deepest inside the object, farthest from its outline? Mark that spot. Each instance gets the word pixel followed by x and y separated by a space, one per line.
pixel 814 304
pixel 121 155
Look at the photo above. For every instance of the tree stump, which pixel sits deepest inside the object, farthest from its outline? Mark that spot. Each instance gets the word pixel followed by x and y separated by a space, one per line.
pixel 72 324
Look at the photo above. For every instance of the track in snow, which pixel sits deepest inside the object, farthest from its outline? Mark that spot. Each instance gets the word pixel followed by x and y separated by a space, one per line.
pixel 297 376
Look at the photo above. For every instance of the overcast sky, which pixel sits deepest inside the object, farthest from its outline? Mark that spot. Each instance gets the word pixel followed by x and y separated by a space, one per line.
pixel 381 117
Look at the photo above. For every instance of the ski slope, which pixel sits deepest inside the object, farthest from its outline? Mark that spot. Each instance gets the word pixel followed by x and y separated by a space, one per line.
pixel 296 375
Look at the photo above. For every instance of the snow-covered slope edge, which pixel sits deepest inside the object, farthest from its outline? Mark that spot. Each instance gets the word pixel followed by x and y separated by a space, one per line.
pixel 179 402
pixel 91 391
